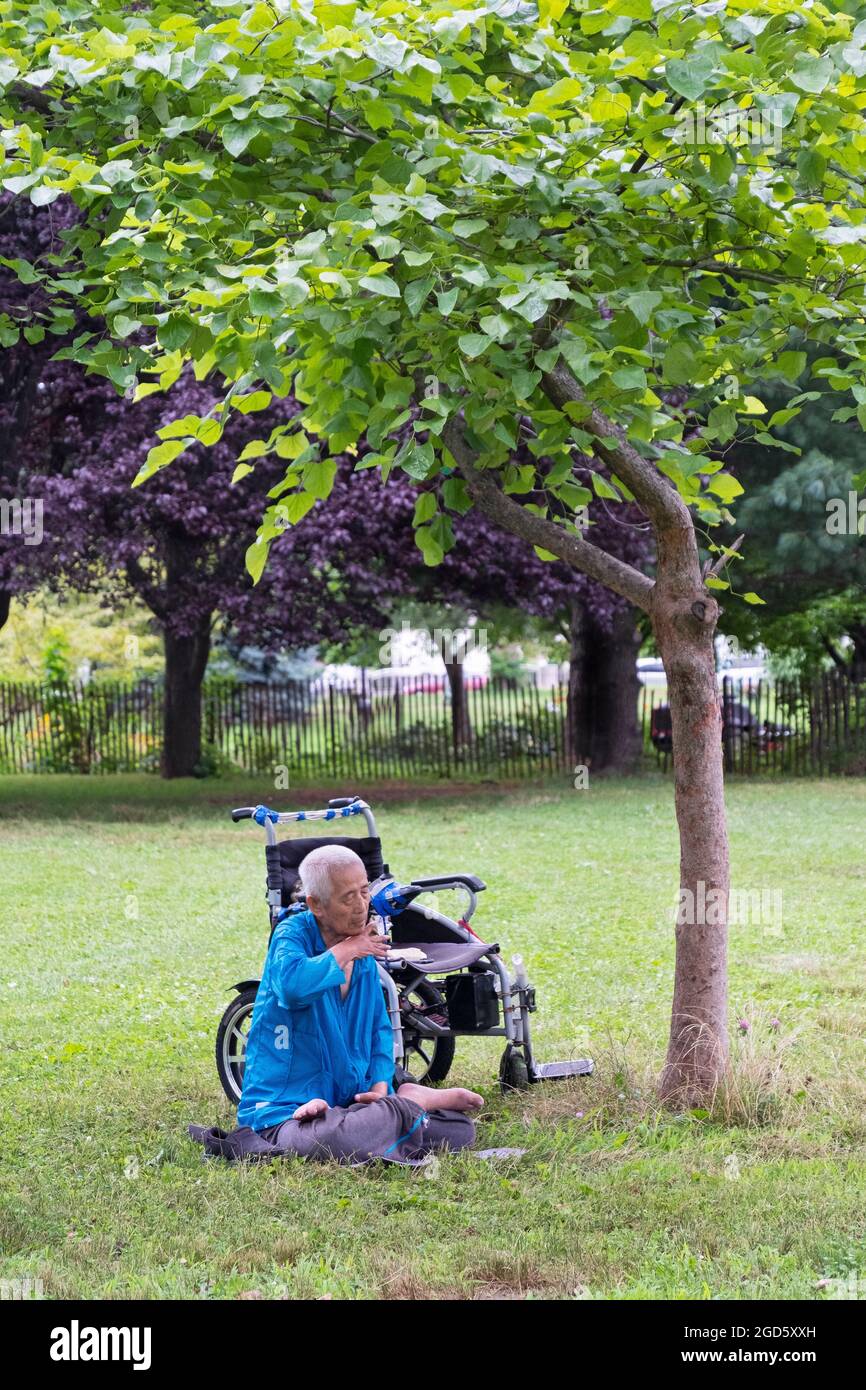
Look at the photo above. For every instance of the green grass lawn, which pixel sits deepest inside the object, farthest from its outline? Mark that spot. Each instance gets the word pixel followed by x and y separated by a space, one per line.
pixel 130 906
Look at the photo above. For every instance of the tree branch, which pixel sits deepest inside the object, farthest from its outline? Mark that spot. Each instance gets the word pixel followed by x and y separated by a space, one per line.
pixel 734 272
pixel 653 493
pixel 141 585
pixel 537 530
pixel 717 567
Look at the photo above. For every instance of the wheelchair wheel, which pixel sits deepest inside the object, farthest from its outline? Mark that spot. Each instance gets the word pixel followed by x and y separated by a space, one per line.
pixel 231 1042
pixel 513 1071
pixel 427 1060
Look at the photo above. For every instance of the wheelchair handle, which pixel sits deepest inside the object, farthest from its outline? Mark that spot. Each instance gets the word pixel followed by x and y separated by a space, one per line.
pixel 337 809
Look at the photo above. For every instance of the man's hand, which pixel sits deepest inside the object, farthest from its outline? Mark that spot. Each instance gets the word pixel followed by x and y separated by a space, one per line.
pixel 367 943
pixel 378 1091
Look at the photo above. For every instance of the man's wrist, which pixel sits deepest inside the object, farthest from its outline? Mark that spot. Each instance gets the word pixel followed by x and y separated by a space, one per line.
pixel 344 955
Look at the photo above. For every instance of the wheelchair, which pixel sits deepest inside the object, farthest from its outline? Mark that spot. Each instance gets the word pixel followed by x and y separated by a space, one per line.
pixel 440 980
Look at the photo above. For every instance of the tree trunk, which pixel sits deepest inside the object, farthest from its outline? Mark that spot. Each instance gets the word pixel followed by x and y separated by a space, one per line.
pixel 857 633
pixel 684 621
pixel 603 691
pixel 574 716
pixel 185 664
pixel 460 729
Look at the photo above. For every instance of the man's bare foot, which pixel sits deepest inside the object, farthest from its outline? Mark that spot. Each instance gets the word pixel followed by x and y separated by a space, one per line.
pixel 310 1110
pixel 430 1098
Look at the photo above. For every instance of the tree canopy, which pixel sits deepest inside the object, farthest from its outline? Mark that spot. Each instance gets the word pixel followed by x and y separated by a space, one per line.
pixel 381 201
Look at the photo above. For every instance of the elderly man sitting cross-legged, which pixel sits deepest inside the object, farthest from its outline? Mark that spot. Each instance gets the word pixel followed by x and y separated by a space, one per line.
pixel 319 1069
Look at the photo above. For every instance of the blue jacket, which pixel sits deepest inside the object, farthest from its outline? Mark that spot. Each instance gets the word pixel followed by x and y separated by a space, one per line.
pixel 305 1040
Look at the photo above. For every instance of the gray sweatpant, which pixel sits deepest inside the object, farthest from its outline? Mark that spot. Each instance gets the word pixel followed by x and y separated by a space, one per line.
pixel 391 1128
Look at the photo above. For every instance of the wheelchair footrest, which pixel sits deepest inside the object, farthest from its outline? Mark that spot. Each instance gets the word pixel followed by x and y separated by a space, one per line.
pixel 557 1071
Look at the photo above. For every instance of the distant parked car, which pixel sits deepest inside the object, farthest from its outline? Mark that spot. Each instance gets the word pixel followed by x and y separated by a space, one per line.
pixel 738 722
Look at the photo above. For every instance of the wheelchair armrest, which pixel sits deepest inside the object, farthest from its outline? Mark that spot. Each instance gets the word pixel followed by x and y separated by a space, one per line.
pixel 470 881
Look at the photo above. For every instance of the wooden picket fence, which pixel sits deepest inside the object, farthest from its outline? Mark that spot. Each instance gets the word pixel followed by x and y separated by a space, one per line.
pixel 401 728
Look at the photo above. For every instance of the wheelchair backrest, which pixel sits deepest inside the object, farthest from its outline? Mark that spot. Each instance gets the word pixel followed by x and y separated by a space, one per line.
pixel 291 853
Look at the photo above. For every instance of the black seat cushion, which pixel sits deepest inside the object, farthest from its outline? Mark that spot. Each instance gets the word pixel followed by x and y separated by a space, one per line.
pixel 293 852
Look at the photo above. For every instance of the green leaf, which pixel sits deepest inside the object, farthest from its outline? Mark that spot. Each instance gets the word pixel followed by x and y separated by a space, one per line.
pixel 256 449
pixel 630 378
pixel 416 292
pixel 294 291
pixel 40 197
pixel 643 303
pixel 256 558
pixel 523 383
pixel 158 457
pixel 456 496
pixel 265 303
pixel 429 546
pixel 473 344
pixel 467 226
pixel 691 77
pixel 722 423
pixel 752 598
pixel 291 446
pixel 23 269
pixel 811 166
pixel 257 400
pixel 446 299
pixel 122 327
pixel 236 137
pixel 378 114
pixel 812 74
pixel 381 284
pixel 605 489
pixel 573 495
pixel 425 508
pixel 790 365
pixel 679 363
pixel 495 325
pixel 319 475
pixel 418 461
pixel 176 331
pixel 294 508
pixel 561 93
pixel 725 486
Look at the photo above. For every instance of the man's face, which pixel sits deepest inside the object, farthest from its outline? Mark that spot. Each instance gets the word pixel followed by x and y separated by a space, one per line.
pixel 345 912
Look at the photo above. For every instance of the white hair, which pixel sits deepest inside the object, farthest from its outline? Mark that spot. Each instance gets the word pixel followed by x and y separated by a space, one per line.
pixel 317 869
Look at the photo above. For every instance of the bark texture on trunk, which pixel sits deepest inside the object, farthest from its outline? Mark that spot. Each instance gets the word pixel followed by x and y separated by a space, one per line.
pixel 573 712
pixel 603 692
pixel 684 620
pixel 857 634
pixel 460 727
pixel 185 665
